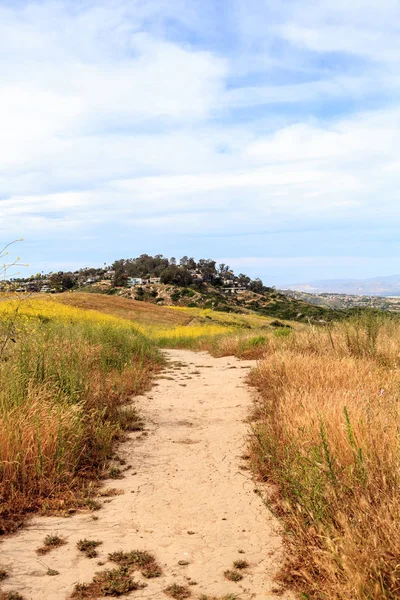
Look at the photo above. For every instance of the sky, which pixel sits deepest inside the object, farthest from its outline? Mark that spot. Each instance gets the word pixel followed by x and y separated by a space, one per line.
pixel 262 133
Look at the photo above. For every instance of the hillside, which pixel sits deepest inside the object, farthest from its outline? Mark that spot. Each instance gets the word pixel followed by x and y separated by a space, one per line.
pixel 266 303
pixel 187 283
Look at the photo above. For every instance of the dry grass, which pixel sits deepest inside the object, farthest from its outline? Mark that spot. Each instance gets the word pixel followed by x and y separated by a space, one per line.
pixel 328 438
pixel 63 381
pixel 143 313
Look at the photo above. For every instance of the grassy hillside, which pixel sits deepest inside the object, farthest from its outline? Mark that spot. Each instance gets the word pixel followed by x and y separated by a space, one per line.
pixel 268 303
pixel 139 312
pixel 184 327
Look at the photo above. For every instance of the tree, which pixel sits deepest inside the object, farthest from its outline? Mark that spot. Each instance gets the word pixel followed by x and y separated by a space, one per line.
pixel 62 281
pixel 120 275
pixel 176 275
pixel 256 285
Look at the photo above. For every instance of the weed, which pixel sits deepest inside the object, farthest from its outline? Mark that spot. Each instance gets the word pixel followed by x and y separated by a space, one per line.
pixel 88 547
pixel 92 504
pixel 225 597
pixel 50 542
pixel 233 575
pixel 115 473
pixel 179 592
pixel 129 419
pixel 11 596
pixel 111 492
pixel 114 582
pixel 152 571
pixel 240 564
pixel 137 559
pixel 52 572
pixel 134 558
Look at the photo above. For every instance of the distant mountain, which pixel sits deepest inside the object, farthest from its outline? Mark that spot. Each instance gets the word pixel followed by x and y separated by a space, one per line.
pixel 375 286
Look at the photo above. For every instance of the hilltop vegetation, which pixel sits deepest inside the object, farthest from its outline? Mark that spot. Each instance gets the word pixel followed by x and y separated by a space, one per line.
pixel 187 282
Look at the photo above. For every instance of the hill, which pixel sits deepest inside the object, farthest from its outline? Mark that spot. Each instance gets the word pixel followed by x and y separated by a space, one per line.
pixel 186 283
pixel 267 303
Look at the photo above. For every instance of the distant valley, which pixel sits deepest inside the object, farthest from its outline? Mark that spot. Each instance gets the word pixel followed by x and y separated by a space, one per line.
pixel 375 286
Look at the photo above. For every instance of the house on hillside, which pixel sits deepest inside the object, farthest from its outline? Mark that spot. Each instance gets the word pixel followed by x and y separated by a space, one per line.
pixel 132 281
pixel 155 280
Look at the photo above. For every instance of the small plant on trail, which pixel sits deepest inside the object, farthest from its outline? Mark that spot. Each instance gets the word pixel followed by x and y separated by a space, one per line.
pixel 50 542
pixel 11 596
pixel 88 547
pixel 226 597
pixel 137 560
pixel 114 582
pixel 241 564
pixel 233 575
pixel 179 592
pixel 115 473
pixel 129 419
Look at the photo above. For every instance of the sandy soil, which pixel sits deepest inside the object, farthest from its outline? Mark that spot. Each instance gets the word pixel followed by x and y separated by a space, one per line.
pixel 187 496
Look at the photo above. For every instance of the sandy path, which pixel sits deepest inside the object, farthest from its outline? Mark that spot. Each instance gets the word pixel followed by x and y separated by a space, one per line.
pixel 186 475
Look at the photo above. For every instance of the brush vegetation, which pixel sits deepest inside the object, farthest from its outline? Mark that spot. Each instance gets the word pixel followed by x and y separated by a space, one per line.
pixel 64 374
pixel 327 438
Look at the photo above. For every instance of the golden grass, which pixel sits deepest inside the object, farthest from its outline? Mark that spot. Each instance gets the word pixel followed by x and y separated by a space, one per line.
pixel 328 438
pixel 64 373
pixel 142 313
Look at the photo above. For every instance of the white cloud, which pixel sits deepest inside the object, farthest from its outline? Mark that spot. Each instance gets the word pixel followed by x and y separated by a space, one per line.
pixel 125 114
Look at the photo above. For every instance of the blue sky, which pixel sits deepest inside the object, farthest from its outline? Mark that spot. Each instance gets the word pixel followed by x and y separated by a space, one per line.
pixel 264 134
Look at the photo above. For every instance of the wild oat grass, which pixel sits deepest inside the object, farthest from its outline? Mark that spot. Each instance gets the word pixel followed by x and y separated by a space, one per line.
pixel 63 377
pixel 328 438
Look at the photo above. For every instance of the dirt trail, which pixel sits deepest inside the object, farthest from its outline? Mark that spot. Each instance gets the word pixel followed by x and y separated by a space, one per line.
pixel 187 497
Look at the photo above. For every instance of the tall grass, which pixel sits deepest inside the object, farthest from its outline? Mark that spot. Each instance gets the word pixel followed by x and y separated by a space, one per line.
pixel 63 378
pixel 327 437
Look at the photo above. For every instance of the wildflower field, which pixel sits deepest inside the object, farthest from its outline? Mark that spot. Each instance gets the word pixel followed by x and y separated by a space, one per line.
pixel 327 438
